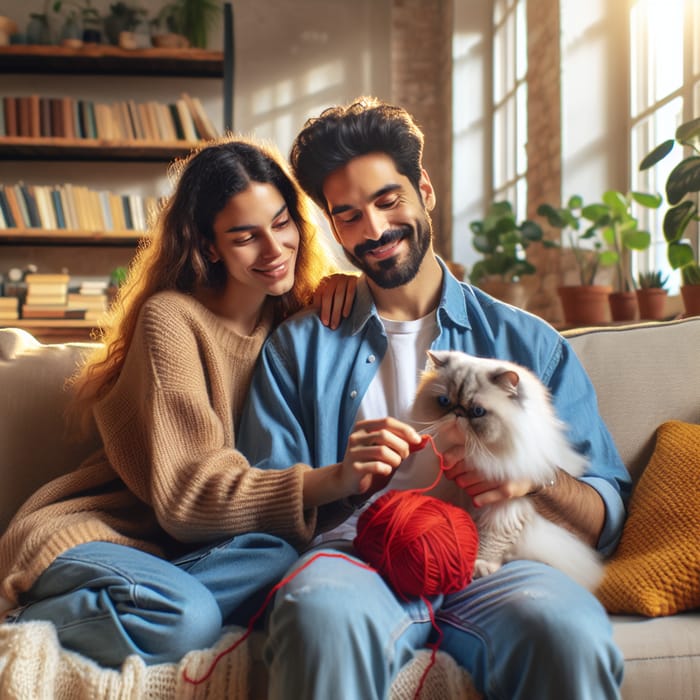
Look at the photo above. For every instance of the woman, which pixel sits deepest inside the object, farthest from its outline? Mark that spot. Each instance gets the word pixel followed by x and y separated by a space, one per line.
pixel 167 533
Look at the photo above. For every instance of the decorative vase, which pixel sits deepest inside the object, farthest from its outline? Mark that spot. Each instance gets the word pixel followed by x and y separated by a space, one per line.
pixel 652 303
pixel 691 299
pixel 585 304
pixel 623 306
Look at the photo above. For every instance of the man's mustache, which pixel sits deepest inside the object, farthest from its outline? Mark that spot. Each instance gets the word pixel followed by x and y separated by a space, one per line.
pixel 388 237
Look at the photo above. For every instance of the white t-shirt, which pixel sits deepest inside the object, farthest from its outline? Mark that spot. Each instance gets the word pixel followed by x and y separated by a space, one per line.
pixel 391 393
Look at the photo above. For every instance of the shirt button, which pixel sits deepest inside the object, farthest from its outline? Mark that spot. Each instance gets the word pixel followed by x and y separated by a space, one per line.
pixel 353 394
pixel 371 358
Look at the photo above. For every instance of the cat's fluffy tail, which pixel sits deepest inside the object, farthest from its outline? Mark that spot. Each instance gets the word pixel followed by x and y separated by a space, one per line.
pixel 542 540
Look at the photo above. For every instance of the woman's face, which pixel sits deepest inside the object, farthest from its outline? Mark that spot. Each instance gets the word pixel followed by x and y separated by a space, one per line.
pixel 257 240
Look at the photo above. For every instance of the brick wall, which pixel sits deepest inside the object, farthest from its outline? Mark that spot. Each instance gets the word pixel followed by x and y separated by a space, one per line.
pixel 421 81
pixel 544 145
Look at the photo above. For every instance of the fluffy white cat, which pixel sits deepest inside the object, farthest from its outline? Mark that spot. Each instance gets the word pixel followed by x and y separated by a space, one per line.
pixel 511 431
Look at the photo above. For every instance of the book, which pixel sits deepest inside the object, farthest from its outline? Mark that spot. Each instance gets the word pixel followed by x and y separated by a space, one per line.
pixel 36 299
pixel 9 303
pixel 29 198
pixel 7 315
pixel 188 127
pixel 201 119
pixel 51 312
pixel 47 277
pixel 6 210
pixel 57 127
pixel 22 204
pixel 68 118
pixel 15 208
pixel 46 125
pixel 23 119
pixel 10 109
pixel 34 116
pixel 175 118
pixel 58 208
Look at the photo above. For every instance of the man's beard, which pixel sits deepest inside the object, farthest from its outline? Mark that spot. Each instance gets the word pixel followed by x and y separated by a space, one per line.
pixel 390 273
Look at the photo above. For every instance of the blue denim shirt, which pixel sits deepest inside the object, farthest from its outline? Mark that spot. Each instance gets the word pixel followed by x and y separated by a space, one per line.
pixel 310 380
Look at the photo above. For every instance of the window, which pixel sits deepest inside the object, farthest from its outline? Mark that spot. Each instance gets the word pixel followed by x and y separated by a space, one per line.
pixel 664 92
pixel 510 104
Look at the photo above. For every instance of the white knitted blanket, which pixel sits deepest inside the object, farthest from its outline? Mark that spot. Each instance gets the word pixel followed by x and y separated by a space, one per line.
pixel 33 666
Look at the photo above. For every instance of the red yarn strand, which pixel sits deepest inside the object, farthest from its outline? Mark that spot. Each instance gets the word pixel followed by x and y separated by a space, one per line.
pixel 420 545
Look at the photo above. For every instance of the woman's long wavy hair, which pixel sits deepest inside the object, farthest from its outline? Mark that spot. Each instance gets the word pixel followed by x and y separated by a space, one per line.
pixel 175 255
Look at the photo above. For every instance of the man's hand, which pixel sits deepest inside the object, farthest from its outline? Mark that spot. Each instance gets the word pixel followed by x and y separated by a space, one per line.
pixel 375 450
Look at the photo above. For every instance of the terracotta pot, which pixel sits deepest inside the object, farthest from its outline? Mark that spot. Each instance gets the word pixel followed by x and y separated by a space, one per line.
pixel 623 306
pixel 513 293
pixel 652 303
pixel 691 299
pixel 585 304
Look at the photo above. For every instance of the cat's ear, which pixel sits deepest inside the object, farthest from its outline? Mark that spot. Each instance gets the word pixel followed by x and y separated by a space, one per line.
pixel 507 379
pixel 436 358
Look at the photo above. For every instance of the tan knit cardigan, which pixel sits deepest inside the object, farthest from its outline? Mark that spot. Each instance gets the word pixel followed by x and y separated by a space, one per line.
pixel 168 478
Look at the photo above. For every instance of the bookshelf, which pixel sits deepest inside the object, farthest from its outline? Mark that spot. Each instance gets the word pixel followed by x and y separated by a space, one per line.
pixel 114 247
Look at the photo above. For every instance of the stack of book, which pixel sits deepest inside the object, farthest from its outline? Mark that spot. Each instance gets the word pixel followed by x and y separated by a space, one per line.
pixel 90 295
pixel 9 309
pixel 47 297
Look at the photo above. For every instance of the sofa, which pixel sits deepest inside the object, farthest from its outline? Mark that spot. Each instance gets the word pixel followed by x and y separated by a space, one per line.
pixel 647 376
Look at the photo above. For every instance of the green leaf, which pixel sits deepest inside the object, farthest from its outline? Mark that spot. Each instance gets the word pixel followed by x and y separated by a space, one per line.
pixel 684 178
pixel 680 254
pixel 608 258
pixel 594 212
pixel 616 201
pixel 476 226
pixel 553 216
pixel 608 234
pixel 689 134
pixel 500 209
pixel 660 152
pixel 677 219
pixel 531 231
pixel 650 201
pixel 575 201
pixel 483 244
pixel 636 240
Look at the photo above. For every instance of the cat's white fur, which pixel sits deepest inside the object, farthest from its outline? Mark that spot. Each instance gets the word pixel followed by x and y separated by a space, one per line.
pixel 519 438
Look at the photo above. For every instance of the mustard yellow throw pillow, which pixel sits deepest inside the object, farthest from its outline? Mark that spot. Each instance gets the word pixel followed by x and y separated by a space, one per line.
pixel 656 568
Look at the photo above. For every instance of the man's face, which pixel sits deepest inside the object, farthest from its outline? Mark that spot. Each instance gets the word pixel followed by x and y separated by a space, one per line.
pixel 379 219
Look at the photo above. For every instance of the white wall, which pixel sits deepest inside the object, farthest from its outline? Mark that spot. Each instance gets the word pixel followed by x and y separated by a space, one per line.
pixel 471 55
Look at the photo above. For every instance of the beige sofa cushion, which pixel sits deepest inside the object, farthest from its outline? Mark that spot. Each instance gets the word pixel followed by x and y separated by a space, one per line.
pixel 644 375
pixel 35 447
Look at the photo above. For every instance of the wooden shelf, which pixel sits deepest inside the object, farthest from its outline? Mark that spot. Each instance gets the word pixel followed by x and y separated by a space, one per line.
pixel 62 237
pixel 54 331
pixel 101 59
pixel 29 148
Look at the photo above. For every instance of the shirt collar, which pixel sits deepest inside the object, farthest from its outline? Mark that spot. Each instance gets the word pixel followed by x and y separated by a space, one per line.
pixel 453 302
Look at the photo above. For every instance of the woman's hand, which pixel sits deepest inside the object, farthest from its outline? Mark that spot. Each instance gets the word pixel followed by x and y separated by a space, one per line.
pixel 334 296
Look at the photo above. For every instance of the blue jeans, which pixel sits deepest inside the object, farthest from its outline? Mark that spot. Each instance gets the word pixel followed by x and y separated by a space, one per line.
pixel 524 632
pixel 108 601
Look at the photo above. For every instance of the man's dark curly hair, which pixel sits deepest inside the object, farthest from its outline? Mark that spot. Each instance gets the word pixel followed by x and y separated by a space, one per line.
pixel 339 134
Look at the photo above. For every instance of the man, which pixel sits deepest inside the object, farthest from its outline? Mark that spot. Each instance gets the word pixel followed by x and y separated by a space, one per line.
pixel 337 630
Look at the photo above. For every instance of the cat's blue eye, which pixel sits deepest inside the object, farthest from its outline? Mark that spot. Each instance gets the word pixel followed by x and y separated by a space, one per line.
pixel 444 401
pixel 477 411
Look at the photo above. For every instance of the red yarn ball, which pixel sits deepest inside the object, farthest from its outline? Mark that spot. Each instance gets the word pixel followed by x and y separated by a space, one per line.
pixel 421 545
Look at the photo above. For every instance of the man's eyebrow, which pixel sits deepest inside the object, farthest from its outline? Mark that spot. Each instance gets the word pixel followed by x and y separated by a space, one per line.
pixel 247 227
pixel 340 208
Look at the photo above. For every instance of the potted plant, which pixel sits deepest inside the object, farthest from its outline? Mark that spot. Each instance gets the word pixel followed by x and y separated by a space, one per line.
pixel 502 243
pixel 89 16
pixel 621 233
pixel 122 18
pixel 585 302
pixel 187 18
pixel 682 187
pixel 651 295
